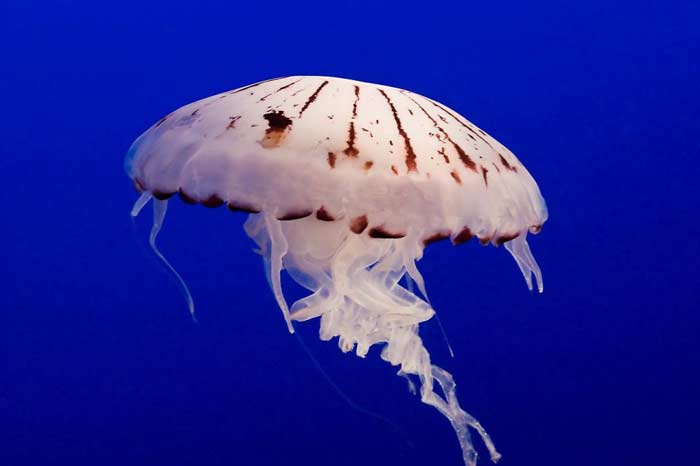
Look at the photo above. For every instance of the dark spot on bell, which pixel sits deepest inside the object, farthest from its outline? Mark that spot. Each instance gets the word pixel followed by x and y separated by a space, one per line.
pixel 277 120
pixel 380 232
pixel 162 195
pixel 358 224
pixel 213 201
pixel 295 215
pixel 436 237
pixel 368 165
pixel 323 215
pixel 278 124
pixel 186 198
pixel 331 159
pixel 463 236
pixel 456 177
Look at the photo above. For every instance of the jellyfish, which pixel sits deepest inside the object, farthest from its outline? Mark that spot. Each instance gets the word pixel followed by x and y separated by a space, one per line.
pixel 345 184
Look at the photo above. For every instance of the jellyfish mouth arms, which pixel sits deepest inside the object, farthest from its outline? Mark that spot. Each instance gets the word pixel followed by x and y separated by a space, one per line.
pixel 357 295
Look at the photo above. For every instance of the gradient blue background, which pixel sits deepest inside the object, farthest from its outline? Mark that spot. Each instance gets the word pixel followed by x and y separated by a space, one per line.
pixel 101 365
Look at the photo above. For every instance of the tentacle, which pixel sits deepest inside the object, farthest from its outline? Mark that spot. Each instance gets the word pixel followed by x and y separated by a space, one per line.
pixel 254 227
pixel 520 251
pixel 350 402
pixel 278 249
pixel 414 274
pixel 448 387
pixel 314 305
pixel 140 203
pixel 160 208
pixel 409 262
pixel 308 273
pixel 444 335
pixel 411 384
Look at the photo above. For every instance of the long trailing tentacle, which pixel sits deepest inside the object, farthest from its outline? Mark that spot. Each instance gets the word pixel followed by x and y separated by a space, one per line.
pixel 349 401
pixel 159 210
pixel 414 275
pixel 278 249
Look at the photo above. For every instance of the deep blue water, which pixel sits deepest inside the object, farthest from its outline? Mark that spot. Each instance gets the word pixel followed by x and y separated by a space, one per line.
pixel 100 363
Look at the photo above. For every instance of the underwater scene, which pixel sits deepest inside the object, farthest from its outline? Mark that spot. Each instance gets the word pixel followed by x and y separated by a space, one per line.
pixel 350 233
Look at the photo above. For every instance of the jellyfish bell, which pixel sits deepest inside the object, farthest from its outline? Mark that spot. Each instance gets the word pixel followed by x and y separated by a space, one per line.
pixel 346 183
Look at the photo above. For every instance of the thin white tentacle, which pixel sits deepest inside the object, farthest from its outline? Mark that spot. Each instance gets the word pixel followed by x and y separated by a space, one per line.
pixel 140 203
pixel 278 249
pixel 159 210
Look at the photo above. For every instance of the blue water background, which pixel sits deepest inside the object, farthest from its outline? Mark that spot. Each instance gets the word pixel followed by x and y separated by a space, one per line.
pixel 101 365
